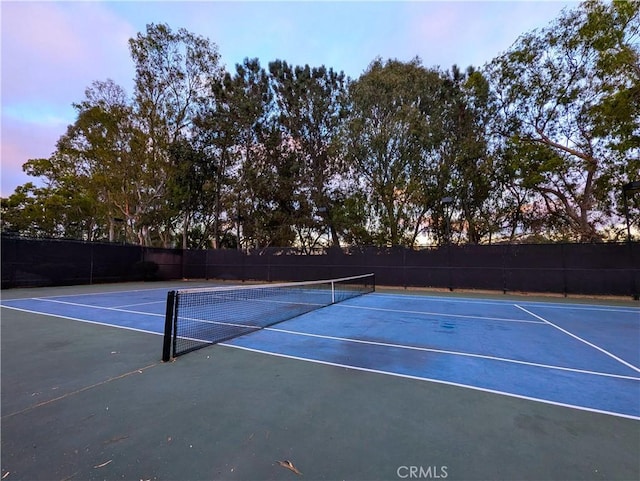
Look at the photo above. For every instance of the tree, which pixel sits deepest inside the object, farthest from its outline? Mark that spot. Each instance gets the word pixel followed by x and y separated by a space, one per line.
pixel 48 212
pixel 391 136
pixel 174 77
pixel 457 162
pixel 310 103
pixel 233 130
pixel 93 165
pixel 537 144
pixel 566 94
pixel 193 191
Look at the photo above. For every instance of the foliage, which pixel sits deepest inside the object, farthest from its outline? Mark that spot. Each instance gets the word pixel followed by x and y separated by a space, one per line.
pixel 567 111
pixel 175 72
pixel 536 145
pixel 387 134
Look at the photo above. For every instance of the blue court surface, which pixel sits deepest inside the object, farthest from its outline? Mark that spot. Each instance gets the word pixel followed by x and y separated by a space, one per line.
pixel 576 355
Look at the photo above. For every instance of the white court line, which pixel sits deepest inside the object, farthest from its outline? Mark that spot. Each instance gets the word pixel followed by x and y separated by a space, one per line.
pixel 124 327
pixel 106 293
pixel 581 307
pixel 103 293
pixel 604 351
pixel 439 381
pixel 88 306
pixel 509 302
pixel 425 313
pixel 455 300
pixel 163 301
pixel 217 323
pixel 82 320
pixel 454 353
pixel 119 308
pixel 492 391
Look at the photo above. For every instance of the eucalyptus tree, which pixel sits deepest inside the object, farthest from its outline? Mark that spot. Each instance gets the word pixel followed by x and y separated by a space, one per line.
pixel 174 76
pixel 22 212
pixel 569 107
pixel 95 164
pixel 614 31
pixel 34 211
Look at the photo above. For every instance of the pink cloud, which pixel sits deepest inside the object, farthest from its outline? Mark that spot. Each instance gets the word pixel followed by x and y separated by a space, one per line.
pixel 51 52
pixel 21 142
pixel 50 48
pixel 42 29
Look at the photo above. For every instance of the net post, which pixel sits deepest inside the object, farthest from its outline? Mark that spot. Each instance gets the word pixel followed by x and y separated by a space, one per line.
pixel 168 326
pixel 333 292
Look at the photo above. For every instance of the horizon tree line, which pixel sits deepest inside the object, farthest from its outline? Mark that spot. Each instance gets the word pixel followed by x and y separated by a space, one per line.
pixel 534 146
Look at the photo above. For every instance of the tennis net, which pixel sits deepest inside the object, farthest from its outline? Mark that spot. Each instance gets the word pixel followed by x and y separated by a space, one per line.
pixel 196 318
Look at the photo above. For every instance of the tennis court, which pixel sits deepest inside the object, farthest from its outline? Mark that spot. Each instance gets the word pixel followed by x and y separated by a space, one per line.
pixel 388 385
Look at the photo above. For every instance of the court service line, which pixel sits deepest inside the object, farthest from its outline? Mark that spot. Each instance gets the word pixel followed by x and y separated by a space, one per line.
pixel 438 381
pixel 101 293
pixel 82 320
pixel 581 307
pixel 89 306
pixel 550 304
pixel 425 313
pixel 604 351
pixel 453 353
pixel 163 301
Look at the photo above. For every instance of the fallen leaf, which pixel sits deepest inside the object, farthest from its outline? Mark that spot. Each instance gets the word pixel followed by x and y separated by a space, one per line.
pixel 103 464
pixel 289 465
pixel 115 440
pixel 70 477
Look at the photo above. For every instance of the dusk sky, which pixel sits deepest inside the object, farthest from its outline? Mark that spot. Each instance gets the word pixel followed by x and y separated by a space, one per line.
pixel 52 51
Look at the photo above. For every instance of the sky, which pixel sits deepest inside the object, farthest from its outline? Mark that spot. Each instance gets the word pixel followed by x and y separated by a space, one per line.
pixel 52 51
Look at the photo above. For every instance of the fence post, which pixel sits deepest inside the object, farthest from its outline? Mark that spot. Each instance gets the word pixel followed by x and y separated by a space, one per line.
pixel 243 261
pixel 564 270
pixel 449 267
pixel 206 264
pixel 505 252
pixel 90 262
pixel 404 267
pixel 183 260
pixel 635 273
pixel 268 254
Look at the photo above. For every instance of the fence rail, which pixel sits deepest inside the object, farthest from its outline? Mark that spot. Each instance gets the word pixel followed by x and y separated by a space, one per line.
pixel 592 269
